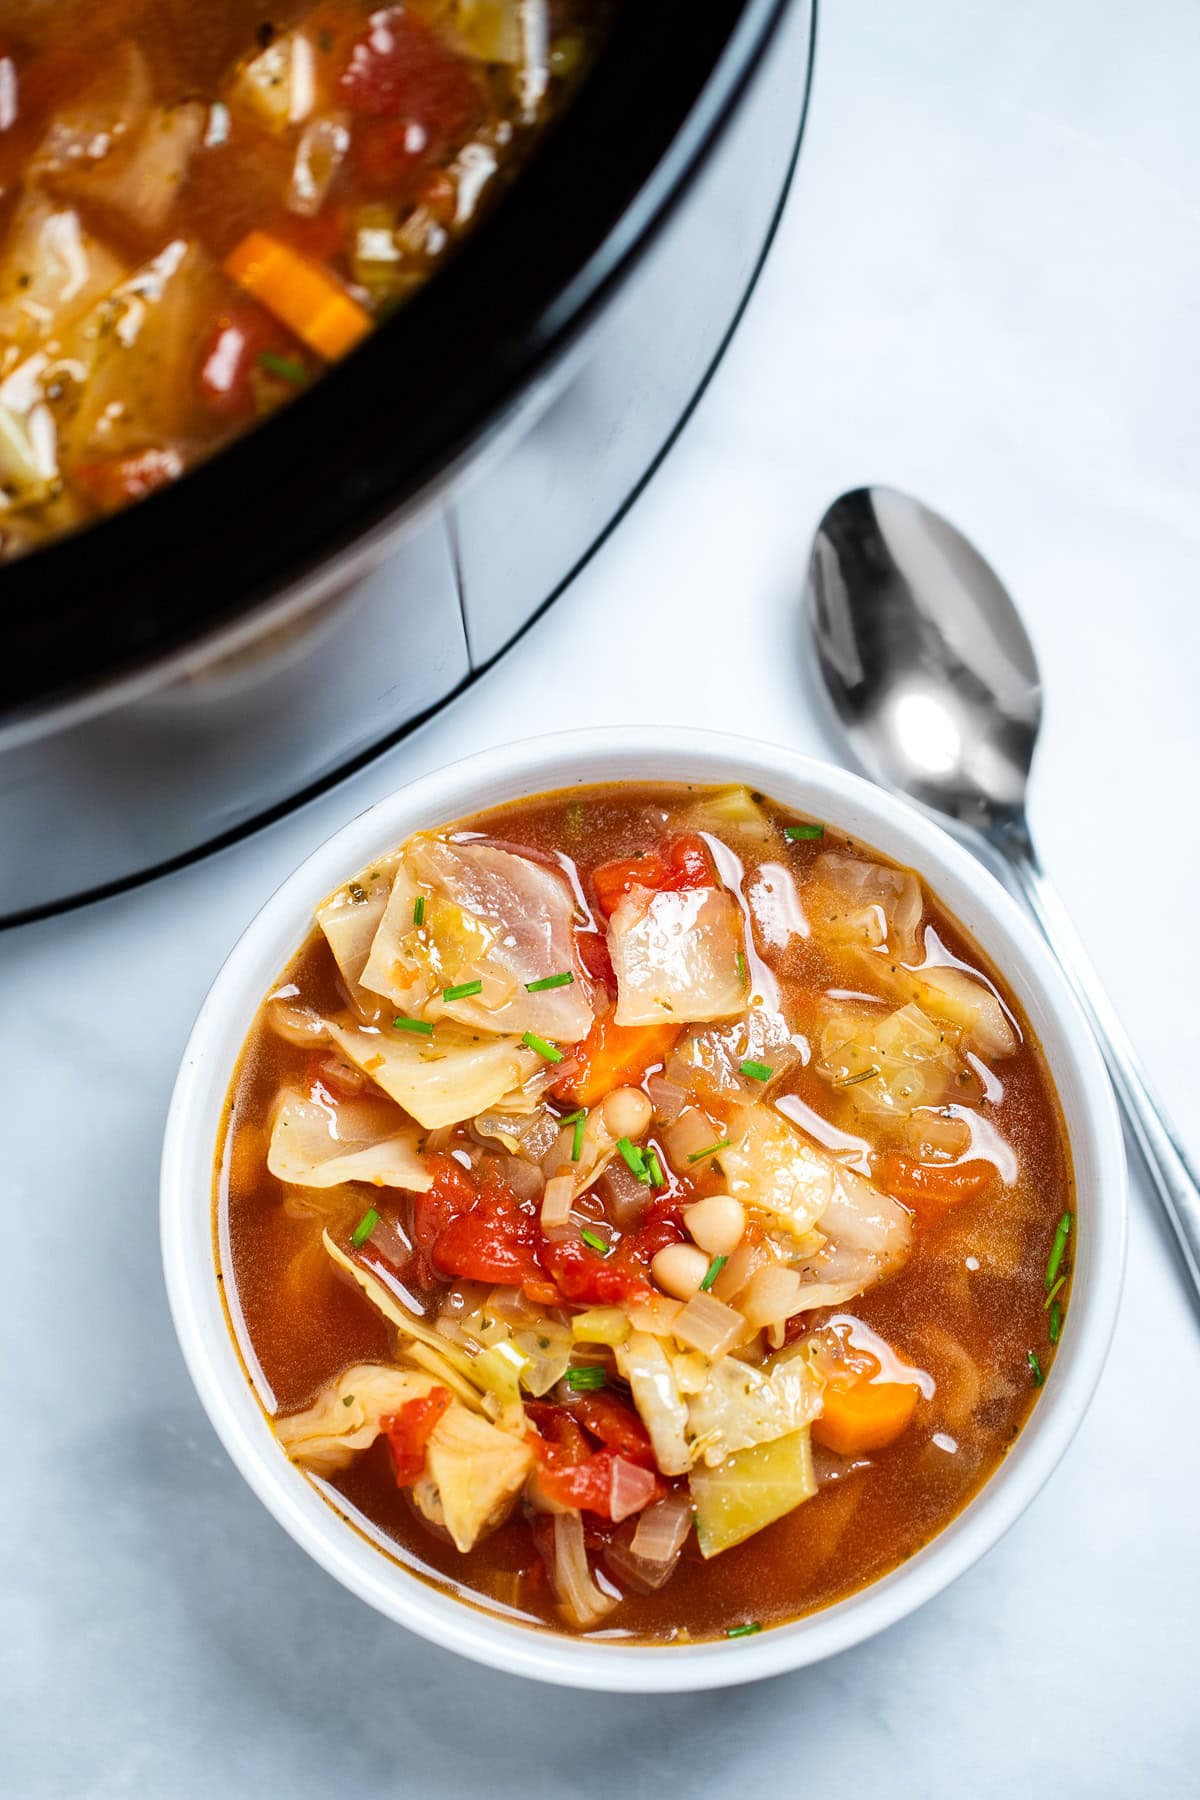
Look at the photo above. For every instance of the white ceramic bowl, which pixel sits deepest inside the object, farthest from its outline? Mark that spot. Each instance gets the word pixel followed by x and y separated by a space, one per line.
pixel 508 773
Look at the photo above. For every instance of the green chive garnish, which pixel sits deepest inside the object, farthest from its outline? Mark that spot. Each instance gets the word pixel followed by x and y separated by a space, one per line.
pixel 594 1241
pixel 796 834
pixel 714 1269
pixel 586 1378
pixel 464 992
pixel 419 910
pixel 422 1027
pixel 347 1399
pixel 699 1155
pixel 1055 1322
pixel 1035 1367
pixel 578 1120
pixel 1059 1284
pixel 286 367
pixel 365 1227
pixel 739 963
pixel 655 1168
pixel 744 1630
pixel 633 1158
pixel 533 1042
pixel 1056 1254
pixel 549 981
pixel 757 1071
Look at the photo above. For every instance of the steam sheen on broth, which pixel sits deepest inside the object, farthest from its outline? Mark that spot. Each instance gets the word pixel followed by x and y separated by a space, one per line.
pixel 644 1211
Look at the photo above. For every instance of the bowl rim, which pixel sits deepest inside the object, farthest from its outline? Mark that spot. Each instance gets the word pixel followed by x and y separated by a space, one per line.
pixel 565 760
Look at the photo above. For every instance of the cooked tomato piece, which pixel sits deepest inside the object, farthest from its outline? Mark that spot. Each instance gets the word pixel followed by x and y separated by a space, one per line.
pixel 241 335
pixel 116 480
pixel 679 862
pixel 594 1485
pixel 453 1192
pixel 559 1439
pixel 586 1278
pixel 414 97
pixel 933 1186
pixel 408 1433
pixel 593 954
pixel 616 1425
pixel 497 1240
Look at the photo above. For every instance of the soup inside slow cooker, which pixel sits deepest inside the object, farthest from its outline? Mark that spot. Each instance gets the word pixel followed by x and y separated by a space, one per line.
pixel 644 1212
pixel 205 203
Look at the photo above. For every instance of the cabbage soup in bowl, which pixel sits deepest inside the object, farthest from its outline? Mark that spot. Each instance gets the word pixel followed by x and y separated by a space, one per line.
pixel 643 1209
pixel 668 1213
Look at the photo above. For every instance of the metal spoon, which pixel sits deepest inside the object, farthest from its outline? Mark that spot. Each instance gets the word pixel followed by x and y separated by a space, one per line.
pixel 929 669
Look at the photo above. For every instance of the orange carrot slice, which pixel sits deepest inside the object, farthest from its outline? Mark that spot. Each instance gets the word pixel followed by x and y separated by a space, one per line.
pixel 306 297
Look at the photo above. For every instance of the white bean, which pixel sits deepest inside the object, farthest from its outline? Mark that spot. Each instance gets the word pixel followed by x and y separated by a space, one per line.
pixel 626 1112
pixel 679 1270
pixel 717 1223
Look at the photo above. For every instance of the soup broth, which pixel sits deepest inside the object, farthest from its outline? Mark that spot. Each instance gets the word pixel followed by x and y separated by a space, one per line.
pixel 766 1015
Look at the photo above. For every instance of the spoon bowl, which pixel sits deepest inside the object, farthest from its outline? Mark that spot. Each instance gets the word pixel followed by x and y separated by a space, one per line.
pixel 924 657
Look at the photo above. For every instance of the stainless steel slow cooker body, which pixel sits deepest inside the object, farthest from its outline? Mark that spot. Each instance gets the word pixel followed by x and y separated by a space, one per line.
pixel 195 667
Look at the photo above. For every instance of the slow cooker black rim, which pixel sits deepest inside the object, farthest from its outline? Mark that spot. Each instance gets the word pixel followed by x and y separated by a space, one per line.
pixel 295 494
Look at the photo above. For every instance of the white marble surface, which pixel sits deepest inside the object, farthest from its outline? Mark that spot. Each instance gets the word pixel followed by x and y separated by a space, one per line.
pixel 985 290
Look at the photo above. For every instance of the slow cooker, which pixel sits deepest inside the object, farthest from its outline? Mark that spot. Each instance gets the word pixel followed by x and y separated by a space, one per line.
pixel 186 670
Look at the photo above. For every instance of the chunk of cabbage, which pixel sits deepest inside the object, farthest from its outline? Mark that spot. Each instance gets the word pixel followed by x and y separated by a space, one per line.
pixel 345 1417
pixel 645 1365
pixel 728 809
pixel 966 1002
pixel 707 1060
pixel 772 1170
pixel 740 1405
pixel 675 956
pixel 349 918
pixel 278 86
pixel 53 271
pixel 492 916
pixel 859 903
pixel 474 1472
pixel 697 1411
pixel 890 1064
pixel 750 1490
pixel 139 180
pixel 315 1144
pixel 442 1079
pixel 452 1366
pixel 862 1234
pixel 141 336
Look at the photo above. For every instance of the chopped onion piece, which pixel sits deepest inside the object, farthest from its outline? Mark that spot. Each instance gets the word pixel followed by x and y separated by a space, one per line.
pixel 663 1529
pixel 708 1325
pixel 738 1270
pixel 692 1132
pixel 632 1487
pixel 556 1201
pixel 319 155
pixel 668 1098
pixel 657 1315
pixel 584 1603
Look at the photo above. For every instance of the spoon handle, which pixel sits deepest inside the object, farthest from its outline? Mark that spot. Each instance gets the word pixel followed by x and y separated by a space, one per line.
pixel 1174 1180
